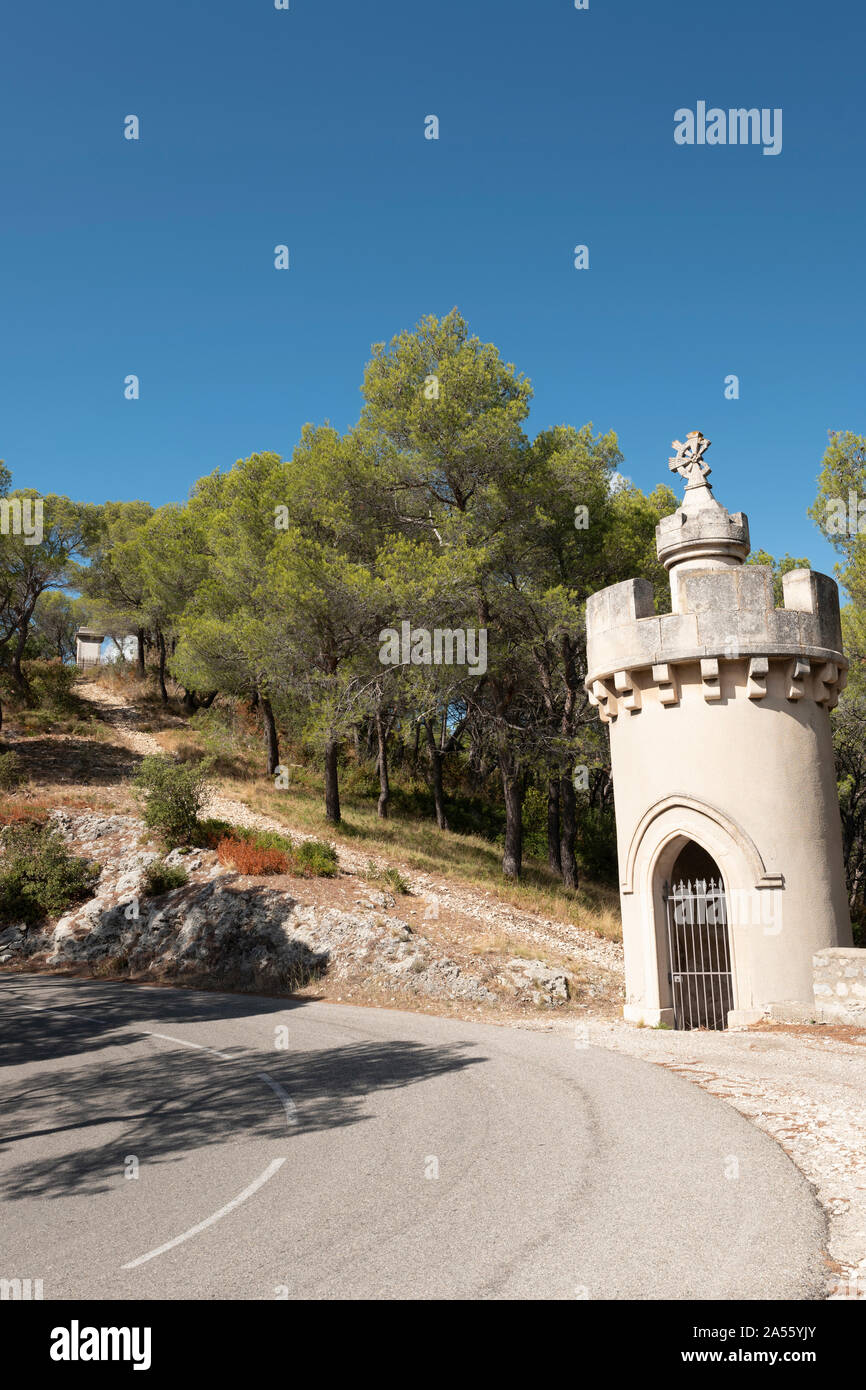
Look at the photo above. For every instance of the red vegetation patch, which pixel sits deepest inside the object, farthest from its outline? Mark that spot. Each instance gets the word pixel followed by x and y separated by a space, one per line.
pixel 245 858
pixel 14 812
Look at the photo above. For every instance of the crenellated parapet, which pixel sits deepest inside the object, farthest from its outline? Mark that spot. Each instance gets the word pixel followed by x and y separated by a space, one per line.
pixel 726 616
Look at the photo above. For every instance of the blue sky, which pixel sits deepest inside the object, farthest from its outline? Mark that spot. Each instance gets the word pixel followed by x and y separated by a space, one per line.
pixel 306 127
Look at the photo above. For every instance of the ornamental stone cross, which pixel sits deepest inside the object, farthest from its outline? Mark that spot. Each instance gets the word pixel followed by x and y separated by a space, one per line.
pixel 688 460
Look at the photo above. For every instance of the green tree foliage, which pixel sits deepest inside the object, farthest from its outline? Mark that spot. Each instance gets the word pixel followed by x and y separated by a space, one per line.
pixel 277 584
pixel 40 543
pixel 38 876
pixel 56 619
pixel 839 511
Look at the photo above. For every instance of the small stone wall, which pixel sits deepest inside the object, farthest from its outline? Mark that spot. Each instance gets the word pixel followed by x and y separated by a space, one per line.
pixel 840 984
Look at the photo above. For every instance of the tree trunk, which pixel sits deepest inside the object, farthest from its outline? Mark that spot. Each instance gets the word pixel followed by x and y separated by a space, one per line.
pixel 512 787
pixel 272 744
pixel 436 776
pixel 162 690
pixel 384 788
pixel 554 858
pixel 332 782
pixel 142 671
pixel 567 832
pixel 17 655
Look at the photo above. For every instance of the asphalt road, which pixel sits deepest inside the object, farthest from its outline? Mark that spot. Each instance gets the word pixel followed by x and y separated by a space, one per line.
pixel 364 1153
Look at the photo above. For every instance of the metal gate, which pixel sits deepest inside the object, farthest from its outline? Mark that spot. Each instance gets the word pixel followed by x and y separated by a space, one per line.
pixel 699 954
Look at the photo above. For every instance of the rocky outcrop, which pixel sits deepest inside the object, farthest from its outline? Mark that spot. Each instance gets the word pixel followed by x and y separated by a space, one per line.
pixel 542 984
pixel 221 928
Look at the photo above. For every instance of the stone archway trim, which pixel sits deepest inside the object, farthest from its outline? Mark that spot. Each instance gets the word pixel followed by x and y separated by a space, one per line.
pixel 744 842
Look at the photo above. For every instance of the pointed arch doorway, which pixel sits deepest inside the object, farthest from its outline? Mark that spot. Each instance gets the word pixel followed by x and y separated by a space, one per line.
pixel 699 951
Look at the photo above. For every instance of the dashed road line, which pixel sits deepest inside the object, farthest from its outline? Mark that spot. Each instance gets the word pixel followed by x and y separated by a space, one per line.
pixel 210 1220
pixel 288 1104
pixel 200 1047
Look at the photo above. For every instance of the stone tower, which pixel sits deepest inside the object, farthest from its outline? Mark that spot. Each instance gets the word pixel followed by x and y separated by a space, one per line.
pixel 723 769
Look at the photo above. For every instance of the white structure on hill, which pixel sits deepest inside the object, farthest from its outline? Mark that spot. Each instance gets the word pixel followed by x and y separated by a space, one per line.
pixel 88 648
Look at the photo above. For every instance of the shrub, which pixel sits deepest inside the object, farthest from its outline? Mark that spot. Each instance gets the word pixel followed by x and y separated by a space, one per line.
pixel 175 794
pixel 110 965
pixel 268 852
pixel 51 684
pixel 229 734
pixel 315 859
pixel 12 772
pixel 264 839
pixel 392 877
pixel 39 877
pixel 160 877
pixel 596 844
pixel 247 858
pixel 208 833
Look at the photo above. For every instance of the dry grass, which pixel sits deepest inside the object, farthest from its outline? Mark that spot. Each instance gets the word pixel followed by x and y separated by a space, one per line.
pixel 22 806
pixel 403 841
pixel 420 845
pixel 180 743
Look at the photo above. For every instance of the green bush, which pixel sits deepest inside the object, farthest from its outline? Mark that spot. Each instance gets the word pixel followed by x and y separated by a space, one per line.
pixel 209 832
pixel 315 859
pixel 38 876
pixel 229 734
pixel 264 839
pixel 160 877
pixel 174 795
pixel 51 684
pixel 392 877
pixel 12 772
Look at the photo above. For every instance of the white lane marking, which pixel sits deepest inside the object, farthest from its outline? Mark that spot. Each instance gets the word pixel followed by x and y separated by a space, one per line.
pixel 211 1220
pixel 288 1104
pixel 200 1047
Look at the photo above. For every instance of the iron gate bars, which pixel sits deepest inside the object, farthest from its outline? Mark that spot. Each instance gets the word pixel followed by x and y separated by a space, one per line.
pixel 699 954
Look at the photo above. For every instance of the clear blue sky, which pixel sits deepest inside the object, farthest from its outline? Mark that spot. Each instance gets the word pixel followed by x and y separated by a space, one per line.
pixel 306 127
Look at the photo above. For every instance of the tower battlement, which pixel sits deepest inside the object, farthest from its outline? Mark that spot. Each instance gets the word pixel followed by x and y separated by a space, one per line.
pixel 727 616
pixel 724 613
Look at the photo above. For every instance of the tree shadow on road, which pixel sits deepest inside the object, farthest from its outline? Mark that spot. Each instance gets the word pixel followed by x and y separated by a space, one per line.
pixel 171 1100
pixel 47 1017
